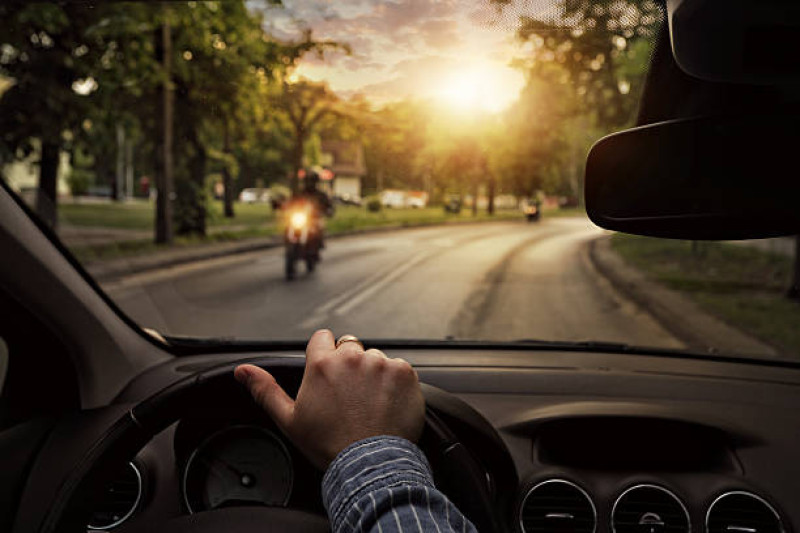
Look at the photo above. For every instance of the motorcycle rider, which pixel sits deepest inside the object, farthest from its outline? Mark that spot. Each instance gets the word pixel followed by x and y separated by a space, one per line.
pixel 310 194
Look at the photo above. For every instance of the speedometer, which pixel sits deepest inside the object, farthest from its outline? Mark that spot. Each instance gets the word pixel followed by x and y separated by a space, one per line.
pixel 239 465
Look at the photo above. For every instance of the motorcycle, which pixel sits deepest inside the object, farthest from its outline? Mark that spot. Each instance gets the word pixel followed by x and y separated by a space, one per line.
pixel 532 211
pixel 301 238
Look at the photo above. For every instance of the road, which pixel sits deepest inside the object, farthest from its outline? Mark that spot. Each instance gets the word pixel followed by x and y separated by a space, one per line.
pixel 498 281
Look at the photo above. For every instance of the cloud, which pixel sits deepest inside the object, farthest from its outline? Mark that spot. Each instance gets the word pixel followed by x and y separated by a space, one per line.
pixel 440 33
pixel 419 77
pixel 400 49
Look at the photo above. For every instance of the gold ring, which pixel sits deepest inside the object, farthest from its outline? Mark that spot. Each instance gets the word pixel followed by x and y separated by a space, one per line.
pixel 348 338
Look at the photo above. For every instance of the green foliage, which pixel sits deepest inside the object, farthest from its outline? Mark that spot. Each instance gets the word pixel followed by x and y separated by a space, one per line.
pixel 596 45
pixel 241 113
pixel 79 181
pixel 224 73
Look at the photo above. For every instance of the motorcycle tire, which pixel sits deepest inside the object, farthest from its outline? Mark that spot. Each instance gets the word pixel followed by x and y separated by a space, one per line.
pixel 290 270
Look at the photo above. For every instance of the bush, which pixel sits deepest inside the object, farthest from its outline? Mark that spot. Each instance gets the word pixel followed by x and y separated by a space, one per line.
pixel 374 204
pixel 79 181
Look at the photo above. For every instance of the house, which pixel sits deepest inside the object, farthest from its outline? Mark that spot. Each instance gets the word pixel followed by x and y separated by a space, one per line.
pixel 346 160
pixel 23 175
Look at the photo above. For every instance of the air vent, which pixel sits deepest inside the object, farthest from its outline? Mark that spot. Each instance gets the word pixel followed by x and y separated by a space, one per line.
pixel 649 509
pixel 742 512
pixel 119 501
pixel 557 505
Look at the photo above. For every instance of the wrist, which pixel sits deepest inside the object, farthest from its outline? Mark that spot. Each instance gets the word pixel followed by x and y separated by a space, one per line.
pixel 369 465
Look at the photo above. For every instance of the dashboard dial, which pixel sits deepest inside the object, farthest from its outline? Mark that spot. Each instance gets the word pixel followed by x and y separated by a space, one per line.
pixel 238 466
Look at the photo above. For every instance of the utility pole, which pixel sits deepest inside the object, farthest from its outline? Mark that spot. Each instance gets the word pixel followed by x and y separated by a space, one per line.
pixel 164 185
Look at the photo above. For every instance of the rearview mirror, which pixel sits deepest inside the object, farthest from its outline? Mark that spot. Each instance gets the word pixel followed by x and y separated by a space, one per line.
pixel 703 178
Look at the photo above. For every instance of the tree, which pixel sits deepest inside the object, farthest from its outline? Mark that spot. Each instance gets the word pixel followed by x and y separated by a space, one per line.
pixel 584 70
pixel 48 58
pixel 603 47
pixel 304 104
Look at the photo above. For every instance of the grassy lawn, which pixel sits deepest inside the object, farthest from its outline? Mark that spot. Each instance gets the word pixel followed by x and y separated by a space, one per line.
pixel 140 215
pixel 743 286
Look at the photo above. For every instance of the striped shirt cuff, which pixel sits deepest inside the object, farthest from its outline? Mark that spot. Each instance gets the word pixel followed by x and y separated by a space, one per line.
pixel 370 465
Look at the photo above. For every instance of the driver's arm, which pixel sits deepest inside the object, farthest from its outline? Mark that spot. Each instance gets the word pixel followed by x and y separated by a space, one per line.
pixel 357 416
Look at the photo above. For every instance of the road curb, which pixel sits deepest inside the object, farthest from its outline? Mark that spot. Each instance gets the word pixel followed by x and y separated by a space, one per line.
pixel 681 317
pixel 115 269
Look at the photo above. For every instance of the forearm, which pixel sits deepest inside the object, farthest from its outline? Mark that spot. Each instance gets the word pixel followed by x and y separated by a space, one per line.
pixel 384 484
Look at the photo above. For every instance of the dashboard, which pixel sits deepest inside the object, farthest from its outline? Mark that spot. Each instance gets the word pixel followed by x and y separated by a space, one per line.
pixel 566 441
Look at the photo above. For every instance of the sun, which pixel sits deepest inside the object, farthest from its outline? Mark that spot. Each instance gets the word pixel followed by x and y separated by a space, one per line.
pixel 479 88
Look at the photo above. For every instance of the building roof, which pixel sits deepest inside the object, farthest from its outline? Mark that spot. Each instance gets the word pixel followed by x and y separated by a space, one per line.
pixel 345 157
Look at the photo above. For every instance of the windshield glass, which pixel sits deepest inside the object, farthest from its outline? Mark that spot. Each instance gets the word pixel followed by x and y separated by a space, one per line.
pixel 256 170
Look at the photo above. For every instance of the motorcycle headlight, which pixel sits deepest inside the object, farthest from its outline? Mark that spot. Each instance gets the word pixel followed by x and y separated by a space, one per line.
pixel 298 219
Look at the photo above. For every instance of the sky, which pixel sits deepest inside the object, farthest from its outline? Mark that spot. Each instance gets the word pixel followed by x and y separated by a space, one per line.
pixel 455 52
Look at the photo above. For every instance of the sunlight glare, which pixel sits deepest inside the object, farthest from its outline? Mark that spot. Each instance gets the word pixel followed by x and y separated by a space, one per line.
pixel 487 88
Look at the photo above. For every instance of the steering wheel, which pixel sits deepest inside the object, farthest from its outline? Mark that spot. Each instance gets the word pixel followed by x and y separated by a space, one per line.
pixel 466 482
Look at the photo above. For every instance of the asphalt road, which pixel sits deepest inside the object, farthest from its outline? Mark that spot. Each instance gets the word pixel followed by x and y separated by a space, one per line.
pixel 499 281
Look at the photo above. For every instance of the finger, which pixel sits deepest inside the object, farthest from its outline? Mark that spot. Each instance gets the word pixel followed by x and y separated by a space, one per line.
pixel 405 368
pixel 320 344
pixel 375 353
pixel 350 348
pixel 267 393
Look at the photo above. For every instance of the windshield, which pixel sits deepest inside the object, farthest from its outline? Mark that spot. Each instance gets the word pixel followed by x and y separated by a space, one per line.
pixel 256 170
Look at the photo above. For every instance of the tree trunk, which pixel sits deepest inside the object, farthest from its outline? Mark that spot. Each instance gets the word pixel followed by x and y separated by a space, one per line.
pixel 164 179
pixel 474 199
pixel 117 191
pixel 297 163
pixel 490 191
pixel 47 194
pixel 794 289
pixel 227 179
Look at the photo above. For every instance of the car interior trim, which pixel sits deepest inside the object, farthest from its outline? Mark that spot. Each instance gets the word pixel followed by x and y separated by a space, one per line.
pixel 562 481
pixel 650 486
pixel 743 493
pixel 130 511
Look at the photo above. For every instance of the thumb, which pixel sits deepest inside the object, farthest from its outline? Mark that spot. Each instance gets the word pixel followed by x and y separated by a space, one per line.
pixel 267 393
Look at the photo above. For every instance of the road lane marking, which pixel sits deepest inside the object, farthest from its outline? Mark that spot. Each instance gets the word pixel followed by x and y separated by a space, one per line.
pixel 342 303
pixel 361 296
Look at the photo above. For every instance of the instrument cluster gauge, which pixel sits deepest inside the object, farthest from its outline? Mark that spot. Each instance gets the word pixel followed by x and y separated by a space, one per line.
pixel 238 466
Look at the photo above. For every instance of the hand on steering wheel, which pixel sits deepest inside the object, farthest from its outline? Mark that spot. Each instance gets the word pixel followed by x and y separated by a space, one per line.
pixel 347 394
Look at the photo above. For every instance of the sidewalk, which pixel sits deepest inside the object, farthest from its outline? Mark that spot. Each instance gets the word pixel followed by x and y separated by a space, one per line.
pixel 680 316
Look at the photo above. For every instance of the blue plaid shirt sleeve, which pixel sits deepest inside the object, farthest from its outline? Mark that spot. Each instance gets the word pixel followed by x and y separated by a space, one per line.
pixel 385 485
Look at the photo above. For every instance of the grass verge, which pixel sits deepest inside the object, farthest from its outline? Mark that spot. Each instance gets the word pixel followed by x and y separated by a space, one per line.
pixel 743 286
pixel 140 214
pixel 252 221
pixel 129 248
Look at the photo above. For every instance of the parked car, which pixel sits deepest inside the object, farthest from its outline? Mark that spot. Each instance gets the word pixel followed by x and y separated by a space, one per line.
pixel 254 195
pixel 393 198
